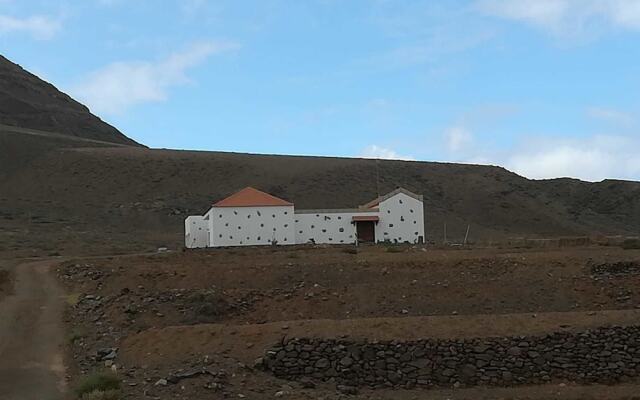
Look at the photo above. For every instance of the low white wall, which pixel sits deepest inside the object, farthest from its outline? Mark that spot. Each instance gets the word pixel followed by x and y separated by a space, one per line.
pixel 196 232
pixel 401 219
pixel 326 226
pixel 251 226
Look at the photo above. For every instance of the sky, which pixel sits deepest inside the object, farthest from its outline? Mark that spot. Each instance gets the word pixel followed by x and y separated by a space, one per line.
pixel 545 88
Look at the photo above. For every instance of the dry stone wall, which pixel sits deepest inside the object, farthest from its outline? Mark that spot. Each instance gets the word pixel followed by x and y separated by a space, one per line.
pixel 605 355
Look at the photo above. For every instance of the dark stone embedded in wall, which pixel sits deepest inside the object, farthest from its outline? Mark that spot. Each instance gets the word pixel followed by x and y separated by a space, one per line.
pixel 605 355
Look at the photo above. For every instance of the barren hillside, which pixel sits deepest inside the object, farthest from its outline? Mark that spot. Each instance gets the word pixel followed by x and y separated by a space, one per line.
pixel 64 196
pixel 29 102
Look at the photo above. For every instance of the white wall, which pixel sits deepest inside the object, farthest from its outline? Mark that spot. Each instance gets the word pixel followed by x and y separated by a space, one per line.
pixel 251 226
pixel 401 219
pixel 196 229
pixel 326 227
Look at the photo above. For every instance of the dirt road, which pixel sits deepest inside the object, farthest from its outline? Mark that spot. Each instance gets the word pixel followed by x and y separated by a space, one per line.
pixel 31 334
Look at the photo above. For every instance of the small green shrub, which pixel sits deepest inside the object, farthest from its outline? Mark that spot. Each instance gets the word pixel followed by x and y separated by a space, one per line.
pixel 77 334
pixel 102 381
pixel 631 244
pixel 102 395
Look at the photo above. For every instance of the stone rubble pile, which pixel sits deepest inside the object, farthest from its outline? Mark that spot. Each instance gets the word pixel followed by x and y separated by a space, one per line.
pixel 616 268
pixel 605 355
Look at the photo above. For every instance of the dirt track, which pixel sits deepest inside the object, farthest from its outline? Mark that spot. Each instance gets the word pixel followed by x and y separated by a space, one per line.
pixel 31 335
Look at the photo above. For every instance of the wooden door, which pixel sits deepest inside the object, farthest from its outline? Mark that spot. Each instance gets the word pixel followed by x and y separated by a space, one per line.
pixel 366 231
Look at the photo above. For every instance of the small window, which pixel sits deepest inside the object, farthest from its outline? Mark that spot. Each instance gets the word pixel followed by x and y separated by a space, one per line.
pixel 274 229
pixel 273 215
pixel 401 218
pixel 220 235
pixel 312 226
pixel 258 238
pixel 324 231
pixel 341 241
pixel 235 212
pixel 249 216
pixel 390 225
pixel 388 211
pixel 285 213
pixel 415 222
pixel 226 224
pixel 230 237
pixel 350 236
pixel 239 227
pixel 261 225
pixel 300 231
pixel 339 217
pixel 220 216
pixel 330 239
pixel 297 221
pixel 286 225
pixel 285 239
pixel 411 210
pixel 415 233
pixel 400 201
pixel 341 230
pixel 258 212
pixel 248 238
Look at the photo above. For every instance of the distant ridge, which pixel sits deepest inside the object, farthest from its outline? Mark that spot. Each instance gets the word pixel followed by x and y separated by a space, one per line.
pixel 27 101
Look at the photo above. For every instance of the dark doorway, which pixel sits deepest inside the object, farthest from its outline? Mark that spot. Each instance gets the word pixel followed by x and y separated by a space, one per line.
pixel 366 231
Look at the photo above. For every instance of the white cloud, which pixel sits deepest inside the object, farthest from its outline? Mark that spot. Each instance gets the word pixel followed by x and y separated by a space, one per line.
pixel 611 115
pixel 40 27
pixel 567 17
pixel 592 159
pixel 458 138
pixel 375 151
pixel 121 85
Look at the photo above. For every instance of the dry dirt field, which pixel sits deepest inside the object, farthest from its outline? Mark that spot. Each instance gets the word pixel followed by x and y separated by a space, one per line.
pixel 163 319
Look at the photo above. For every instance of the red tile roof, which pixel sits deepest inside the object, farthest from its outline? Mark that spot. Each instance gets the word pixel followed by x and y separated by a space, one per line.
pixel 250 197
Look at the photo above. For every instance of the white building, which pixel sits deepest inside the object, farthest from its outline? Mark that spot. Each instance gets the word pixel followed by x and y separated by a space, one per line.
pixel 251 217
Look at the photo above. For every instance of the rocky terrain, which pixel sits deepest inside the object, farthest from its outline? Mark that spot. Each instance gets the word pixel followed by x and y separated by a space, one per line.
pixel 258 321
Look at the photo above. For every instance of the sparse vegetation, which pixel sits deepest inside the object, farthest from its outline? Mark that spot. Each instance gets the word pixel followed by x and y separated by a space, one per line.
pixel 351 250
pixel 631 244
pixel 102 395
pixel 393 249
pixel 76 334
pixel 98 385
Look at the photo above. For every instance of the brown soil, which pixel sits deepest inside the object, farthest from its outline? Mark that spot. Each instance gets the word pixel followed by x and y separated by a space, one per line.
pixel 31 334
pixel 151 307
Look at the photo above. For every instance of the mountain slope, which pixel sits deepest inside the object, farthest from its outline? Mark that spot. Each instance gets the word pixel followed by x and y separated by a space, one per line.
pixel 129 199
pixel 29 102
